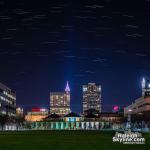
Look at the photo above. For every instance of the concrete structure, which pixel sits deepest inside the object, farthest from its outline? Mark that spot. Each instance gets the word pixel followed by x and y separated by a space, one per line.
pixel 91 97
pixel 37 114
pixel 142 104
pixel 139 106
pixel 7 101
pixel 73 121
pixel 60 102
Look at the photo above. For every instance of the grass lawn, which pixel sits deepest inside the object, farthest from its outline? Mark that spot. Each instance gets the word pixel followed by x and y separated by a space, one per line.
pixel 64 140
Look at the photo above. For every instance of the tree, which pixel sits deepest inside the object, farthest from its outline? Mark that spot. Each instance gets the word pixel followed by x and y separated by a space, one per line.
pixel 3 120
pixel 19 121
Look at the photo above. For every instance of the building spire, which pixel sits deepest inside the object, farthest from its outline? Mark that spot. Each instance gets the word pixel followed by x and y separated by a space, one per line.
pixel 143 86
pixel 67 89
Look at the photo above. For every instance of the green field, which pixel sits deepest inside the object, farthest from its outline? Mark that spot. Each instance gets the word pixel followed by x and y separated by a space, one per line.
pixel 64 140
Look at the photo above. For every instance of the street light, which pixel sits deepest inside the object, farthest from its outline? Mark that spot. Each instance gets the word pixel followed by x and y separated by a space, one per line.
pixel 129 118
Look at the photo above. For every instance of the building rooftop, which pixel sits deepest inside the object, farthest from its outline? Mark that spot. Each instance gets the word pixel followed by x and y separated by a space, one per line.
pixel 72 114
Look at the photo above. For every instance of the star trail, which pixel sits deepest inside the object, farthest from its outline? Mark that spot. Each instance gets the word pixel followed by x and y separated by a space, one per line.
pixel 43 44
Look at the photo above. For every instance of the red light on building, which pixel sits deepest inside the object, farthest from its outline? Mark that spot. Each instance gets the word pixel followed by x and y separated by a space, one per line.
pixel 36 110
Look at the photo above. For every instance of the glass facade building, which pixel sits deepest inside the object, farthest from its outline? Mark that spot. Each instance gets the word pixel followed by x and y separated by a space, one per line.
pixel 7 101
pixel 91 97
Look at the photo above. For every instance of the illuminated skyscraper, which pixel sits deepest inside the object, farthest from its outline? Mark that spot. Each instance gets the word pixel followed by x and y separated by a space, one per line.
pixel 60 102
pixel 91 97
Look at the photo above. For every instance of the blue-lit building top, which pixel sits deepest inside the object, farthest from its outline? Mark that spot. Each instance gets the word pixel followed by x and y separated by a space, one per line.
pixel 145 87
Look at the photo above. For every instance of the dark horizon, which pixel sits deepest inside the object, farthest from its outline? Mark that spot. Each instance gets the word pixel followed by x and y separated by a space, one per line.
pixel 45 44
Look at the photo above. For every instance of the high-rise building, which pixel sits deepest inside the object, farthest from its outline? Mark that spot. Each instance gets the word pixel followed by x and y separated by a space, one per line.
pixel 91 97
pixel 7 101
pixel 60 102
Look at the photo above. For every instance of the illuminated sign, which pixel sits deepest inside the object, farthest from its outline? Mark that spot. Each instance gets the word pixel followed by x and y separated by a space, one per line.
pixel 116 108
pixel 39 110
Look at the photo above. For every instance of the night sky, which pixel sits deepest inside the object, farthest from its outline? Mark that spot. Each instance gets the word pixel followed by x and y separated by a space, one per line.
pixel 43 44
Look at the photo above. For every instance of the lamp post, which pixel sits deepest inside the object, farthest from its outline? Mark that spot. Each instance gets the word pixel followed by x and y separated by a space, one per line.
pixel 129 119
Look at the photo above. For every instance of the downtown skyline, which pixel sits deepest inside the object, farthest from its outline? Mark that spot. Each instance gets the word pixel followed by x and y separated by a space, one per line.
pixel 45 44
pixel 67 88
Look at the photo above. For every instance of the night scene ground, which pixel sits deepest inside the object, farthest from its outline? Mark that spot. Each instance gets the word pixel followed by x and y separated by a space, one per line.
pixel 64 140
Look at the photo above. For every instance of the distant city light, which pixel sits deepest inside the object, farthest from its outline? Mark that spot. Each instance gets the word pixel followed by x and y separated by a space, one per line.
pixel 84 89
pixel 42 109
pixel 130 110
pixel 39 110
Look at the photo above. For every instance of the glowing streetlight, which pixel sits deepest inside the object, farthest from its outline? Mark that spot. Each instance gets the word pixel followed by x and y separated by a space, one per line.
pixel 129 118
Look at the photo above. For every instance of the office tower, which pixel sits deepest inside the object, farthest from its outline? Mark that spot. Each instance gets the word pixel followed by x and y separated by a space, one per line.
pixel 60 102
pixel 7 101
pixel 91 97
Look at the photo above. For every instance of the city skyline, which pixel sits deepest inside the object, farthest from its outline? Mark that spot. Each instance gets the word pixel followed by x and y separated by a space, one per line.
pixel 44 44
pixel 145 82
